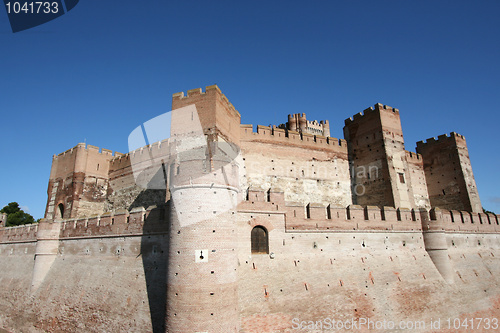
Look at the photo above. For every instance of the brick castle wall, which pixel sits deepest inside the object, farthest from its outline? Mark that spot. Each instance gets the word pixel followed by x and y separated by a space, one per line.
pixel 107 261
pixel 124 258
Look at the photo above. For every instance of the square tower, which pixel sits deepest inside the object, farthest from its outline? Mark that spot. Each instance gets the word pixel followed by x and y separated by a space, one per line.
pixel 78 184
pixel 449 175
pixel 217 115
pixel 378 161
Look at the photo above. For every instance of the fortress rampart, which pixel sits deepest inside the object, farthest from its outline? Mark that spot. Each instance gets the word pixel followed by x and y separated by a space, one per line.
pixel 317 217
pixel 299 218
pixel 24 233
pixel 330 218
pixel 284 137
pixel 308 242
pixel 118 224
pixel 302 166
pixel 295 225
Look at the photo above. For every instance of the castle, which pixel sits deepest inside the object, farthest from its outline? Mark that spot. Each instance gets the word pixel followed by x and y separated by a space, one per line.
pixel 278 229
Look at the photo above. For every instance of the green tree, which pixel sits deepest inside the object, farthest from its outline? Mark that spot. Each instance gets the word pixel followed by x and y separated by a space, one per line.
pixel 16 216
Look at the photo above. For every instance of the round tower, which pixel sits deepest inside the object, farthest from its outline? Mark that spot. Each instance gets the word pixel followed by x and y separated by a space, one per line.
pixel 202 279
pixel 326 127
pixel 292 124
pixel 302 122
pixel 202 289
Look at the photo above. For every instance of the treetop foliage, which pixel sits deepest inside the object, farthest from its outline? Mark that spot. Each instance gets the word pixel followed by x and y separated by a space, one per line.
pixel 16 216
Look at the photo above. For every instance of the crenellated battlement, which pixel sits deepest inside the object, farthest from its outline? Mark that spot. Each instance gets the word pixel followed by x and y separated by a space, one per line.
pixel 332 217
pixel 298 216
pixel 461 221
pixel 194 95
pixel 22 233
pixel 83 146
pixel 411 156
pixel 196 92
pixel 351 218
pixel 380 107
pixel 138 221
pixel 368 111
pixel 156 148
pixel 273 134
pixel 120 161
pixel 441 139
pixel 297 116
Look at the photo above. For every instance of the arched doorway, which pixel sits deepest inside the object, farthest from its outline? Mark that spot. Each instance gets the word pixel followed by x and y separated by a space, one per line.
pixel 260 240
pixel 60 211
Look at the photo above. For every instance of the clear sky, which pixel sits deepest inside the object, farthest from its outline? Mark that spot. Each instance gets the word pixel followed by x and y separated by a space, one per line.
pixel 105 67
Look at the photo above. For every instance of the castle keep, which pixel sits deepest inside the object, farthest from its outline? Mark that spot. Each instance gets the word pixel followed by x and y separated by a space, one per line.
pixel 257 230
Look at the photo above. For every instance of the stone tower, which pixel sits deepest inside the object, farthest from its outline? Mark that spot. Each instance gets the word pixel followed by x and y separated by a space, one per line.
pixel 298 122
pixel 202 279
pixel 379 168
pixel 78 182
pixel 448 171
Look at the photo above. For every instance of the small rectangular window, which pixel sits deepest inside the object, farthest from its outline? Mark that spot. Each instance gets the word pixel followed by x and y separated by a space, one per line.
pixel 401 178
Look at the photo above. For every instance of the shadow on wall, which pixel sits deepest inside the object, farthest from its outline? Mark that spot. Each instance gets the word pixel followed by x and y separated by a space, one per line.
pixel 147 198
pixel 154 253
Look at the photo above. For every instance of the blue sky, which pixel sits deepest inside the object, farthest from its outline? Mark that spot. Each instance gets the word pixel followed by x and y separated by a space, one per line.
pixel 105 67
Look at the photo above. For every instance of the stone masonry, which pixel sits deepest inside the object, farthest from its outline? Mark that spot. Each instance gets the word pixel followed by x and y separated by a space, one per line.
pixel 295 230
